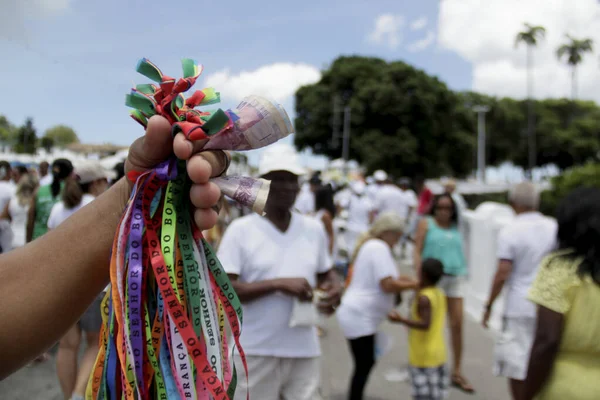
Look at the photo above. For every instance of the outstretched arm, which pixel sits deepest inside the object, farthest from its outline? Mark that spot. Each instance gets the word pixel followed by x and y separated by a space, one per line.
pixel 47 284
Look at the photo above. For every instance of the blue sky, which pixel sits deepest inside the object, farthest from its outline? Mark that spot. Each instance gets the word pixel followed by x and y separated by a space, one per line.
pixel 73 63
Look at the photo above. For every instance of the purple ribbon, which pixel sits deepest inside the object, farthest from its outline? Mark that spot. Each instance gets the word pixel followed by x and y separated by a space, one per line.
pixel 134 283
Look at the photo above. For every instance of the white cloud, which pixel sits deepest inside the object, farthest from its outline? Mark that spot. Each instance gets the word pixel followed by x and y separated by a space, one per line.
pixel 418 24
pixel 387 30
pixel 422 44
pixel 484 34
pixel 277 81
pixel 15 13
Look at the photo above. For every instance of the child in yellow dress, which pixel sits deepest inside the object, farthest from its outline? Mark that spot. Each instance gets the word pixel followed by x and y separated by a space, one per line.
pixel 427 346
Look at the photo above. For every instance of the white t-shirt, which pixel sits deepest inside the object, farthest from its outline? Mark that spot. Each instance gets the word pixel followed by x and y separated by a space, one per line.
pixel 372 190
pixel 305 202
pixel 255 250
pixel 525 242
pixel 392 198
pixel 46 180
pixel 7 191
pixel 18 215
pixel 342 198
pixel 364 304
pixel 359 209
pixel 60 213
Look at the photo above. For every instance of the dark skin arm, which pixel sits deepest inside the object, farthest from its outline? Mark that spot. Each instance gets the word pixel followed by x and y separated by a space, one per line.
pixel 6 214
pixel 543 353
pixel 328 223
pixel 502 273
pixel 250 291
pixel 31 218
pixel 419 243
pixel 47 281
pixel 423 311
pixel 391 285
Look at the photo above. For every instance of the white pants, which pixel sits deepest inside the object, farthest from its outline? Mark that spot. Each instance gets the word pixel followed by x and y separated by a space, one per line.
pixel 274 378
pixel 513 348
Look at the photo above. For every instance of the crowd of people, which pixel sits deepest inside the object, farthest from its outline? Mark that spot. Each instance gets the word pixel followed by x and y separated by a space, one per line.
pixel 35 200
pixel 327 249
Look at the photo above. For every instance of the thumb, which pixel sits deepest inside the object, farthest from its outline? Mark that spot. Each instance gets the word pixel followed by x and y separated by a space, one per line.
pixel 152 148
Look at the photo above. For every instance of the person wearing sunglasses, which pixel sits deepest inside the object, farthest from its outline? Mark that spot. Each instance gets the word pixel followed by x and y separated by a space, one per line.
pixel 438 237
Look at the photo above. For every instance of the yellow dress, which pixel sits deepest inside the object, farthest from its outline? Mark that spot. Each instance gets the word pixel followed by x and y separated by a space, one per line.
pixel 427 349
pixel 558 287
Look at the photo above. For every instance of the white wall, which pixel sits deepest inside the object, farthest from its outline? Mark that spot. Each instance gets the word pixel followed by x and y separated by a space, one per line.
pixel 481 229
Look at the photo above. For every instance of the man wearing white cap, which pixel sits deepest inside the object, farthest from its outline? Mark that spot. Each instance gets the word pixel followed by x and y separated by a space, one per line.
pixel 274 263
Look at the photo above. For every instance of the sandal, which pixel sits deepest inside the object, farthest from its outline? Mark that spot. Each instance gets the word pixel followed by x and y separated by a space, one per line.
pixel 459 382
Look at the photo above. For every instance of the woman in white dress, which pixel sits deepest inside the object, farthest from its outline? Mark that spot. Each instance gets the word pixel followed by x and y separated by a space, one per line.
pixel 18 207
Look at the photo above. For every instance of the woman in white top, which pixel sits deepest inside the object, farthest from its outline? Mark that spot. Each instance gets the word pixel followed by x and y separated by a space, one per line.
pixel 90 181
pixel 370 294
pixel 17 209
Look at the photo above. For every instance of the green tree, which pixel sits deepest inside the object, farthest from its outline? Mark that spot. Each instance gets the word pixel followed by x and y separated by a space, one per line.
pixel 7 131
pixel 402 120
pixel 26 138
pixel 574 51
pixel 530 37
pixel 47 143
pixel 62 135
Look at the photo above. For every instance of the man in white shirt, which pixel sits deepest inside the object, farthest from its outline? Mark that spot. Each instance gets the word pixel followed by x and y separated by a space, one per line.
pixel 390 198
pixel 275 262
pixel 521 247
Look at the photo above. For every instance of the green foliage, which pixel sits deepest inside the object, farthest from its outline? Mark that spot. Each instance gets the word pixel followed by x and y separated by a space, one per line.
pixel 62 135
pixel 530 35
pixel 587 175
pixel 26 138
pixel 8 133
pixel 409 123
pixel 47 143
pixel 574 50
pixel 402 119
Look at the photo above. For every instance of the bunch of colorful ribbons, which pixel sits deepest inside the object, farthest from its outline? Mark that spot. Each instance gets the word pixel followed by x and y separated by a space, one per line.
pixel 171 319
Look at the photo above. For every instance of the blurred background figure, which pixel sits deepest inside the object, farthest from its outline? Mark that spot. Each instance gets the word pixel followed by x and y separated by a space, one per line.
pixel 360 214
pixel 7 191
pixel 461 204
pixel 17 209
pixel 565 357
pixel 90 181
pixel 305 202
pixel 18 171
pixel 45 178
pixel 119 170
pixel 325 212
pixel 45 198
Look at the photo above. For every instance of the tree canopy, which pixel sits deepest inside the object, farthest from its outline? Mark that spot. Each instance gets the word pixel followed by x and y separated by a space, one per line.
pixel 61 135
pixel 402 119
pixel 410 123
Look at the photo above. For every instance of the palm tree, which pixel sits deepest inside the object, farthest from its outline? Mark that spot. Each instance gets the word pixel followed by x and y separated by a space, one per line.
pixel 530 37
pixel 574 51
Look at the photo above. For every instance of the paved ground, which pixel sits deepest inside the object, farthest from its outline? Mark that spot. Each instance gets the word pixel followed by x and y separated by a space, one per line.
pixel 39 381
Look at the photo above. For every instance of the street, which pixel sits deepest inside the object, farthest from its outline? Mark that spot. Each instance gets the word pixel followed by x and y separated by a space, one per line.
pixel 39 381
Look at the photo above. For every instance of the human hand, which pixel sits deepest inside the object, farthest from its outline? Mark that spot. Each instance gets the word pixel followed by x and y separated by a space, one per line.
pixel 158 144
pixel 332 298
pixel 395 316
pixel 297 287
pixel 486 317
